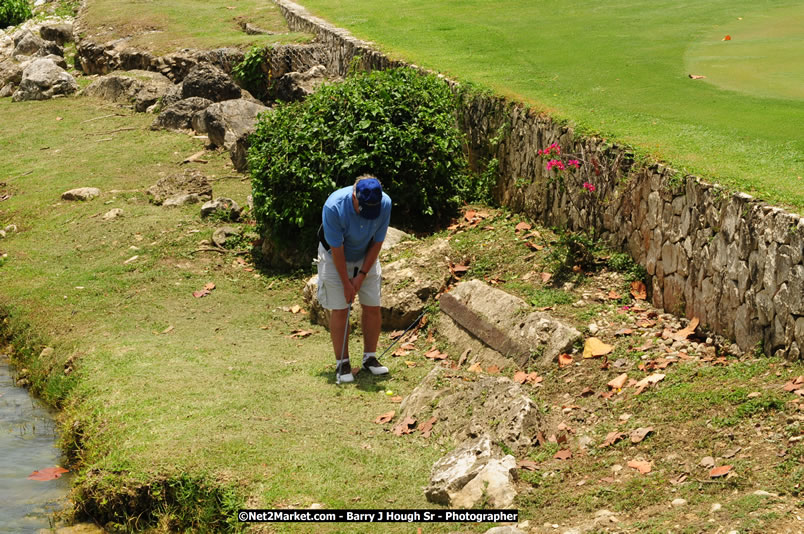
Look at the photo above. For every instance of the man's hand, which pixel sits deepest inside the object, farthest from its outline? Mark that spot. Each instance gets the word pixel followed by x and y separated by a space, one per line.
pixel 357 281
pixel 349 291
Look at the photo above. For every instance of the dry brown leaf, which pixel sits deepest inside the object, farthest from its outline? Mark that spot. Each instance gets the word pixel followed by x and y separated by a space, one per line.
pixel 638 290
pixel 533 246
pixel 613 295
pixel 686 332
pixel 641 466
pixel 396 399
pixel 523 226
pixel 546 277
pixel 469 215
pixel 564 454
pixel 168 330
pixel 648 381
pixel 646 323
pixel 612 438
pixel 385 418
pixel 396 333
pixel 640 433
pixel 720 471
pixel 594 348
pixel 794 384
pixel 410 363
pixel 475 368
pixel 520 377
pixel 405 427
pixel 427 427
pixel 299 334
pixel 435 354
pixel 463 357
pixel 624 332
pixel 493 370
pixel 527 465
pixel 564 360
pixel 587 391
pixel 618 382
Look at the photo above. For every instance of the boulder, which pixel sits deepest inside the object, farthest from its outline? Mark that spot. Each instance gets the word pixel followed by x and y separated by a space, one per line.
pixel 181 200
pixel 490 405
pixel 210 82
pixel 141 88
pixel 239 151
pixel 224 122
pixel 81 193
pixel 112 214
pixel 7 90
pixel 296 86
pixel 222 207
pixel 11 71
pixel 42 79
pixel 179 116
pixel 60 32
pixel 472 472
pixel 191 182
pixel 30 44
pixel 500 327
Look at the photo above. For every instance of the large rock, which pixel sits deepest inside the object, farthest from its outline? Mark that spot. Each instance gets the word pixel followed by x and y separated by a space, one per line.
pixel 224 208
pixel 238 152
pixel 140 88
pixel 489 405
pixel 500 326
pixel 210 82
pixel 30 44
pixel 60 32
pixel 191 182
pixel 179 116
pixel 42 80
pixel 224 122
pixel 296 86
pixel 472 472
pixel 11 71
pixel 81 193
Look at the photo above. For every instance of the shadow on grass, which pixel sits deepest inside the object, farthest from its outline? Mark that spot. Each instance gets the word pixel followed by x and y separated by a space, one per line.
pixel 364 380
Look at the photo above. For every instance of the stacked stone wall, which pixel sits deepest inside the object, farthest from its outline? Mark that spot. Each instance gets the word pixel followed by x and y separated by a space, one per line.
pixel 732 261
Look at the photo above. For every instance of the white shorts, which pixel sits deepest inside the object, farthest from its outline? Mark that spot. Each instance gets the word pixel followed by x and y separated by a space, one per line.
pixel 330 288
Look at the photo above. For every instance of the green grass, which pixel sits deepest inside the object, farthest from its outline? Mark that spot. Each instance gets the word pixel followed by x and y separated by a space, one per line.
pixel 169 26
pixel 621 68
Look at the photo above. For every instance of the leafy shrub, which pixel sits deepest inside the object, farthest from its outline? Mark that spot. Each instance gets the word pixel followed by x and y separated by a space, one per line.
pixel 398 125
pixel 13 12
pixel 249 72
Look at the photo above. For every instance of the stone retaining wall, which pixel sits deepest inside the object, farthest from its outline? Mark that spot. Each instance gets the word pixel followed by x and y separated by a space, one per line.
pixel 732 261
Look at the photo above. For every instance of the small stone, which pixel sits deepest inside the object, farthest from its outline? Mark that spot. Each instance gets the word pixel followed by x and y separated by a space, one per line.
pixel 677 503
pixel 763 493
pixel 709 341
pixel 708 462
pixel 10 229
pixel 593 328
pixel 616 468
pixel 716 507
pixel 81 193
pixel 603 513
pixel 316 506
pixel 112 214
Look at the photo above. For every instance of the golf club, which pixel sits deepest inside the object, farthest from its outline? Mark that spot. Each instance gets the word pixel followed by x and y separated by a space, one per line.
pixel 345 339
pixel 414 323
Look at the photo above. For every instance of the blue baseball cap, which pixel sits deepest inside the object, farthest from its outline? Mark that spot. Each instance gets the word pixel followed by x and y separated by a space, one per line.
pixel 369 197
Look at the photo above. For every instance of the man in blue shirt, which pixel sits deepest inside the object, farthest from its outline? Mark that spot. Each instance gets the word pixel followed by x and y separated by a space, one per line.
pixel 355 221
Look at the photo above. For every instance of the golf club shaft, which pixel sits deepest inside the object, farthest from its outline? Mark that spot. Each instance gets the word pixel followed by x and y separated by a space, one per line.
pixel 345 338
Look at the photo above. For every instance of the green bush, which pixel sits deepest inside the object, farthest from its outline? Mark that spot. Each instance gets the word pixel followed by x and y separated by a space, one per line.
pixel 249 72
pixel 398 125
pixel 13 12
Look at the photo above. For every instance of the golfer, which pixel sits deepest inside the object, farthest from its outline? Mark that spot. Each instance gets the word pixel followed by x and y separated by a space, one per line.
pixel 355 221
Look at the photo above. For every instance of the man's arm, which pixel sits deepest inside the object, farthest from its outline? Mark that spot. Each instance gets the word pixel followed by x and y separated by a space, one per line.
pixel 339 259
pixel 368 261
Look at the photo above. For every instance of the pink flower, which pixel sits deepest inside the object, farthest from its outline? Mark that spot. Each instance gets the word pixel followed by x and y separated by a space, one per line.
pixel 555 163
pixel 589 187
pixel 575 163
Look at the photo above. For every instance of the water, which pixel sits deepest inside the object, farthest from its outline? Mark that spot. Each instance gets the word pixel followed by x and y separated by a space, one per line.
pixel 27 443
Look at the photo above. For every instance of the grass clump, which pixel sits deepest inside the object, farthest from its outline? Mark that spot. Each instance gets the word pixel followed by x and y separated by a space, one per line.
pixel 398 125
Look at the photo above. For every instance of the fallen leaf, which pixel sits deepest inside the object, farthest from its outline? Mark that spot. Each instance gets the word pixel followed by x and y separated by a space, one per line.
pixel 168 330
pixel 641 466
pixel 564 454
pixel 48 473
pixel 613 295
pixel 678 480
pixel 435 354
pixel 475 368
pixel 195 158
pixel 463 357
pixel 754 395
pixel 697 76
pixel 427 427
pixel 396 334
pixel 521 227
pixel 587 391
pixel 611 439
pixel 719 471
pixel 618 382
pixel 564 360
pixel 295 309
pixel 209 286
pixel 385 418
pixel 594 348
pixel 299 334
pixel 727 38
pixel 638 290
pixel 686 332
pixel 410 363
pixel 527 465
pixel 458 269
pixel 648 381
pixel 640 433
pixel 794 384
pixel 546 277
pixel 624 332
pixel 199 294
pixel 469 215
pixel 646 323
pixel 405 427
pixel 493 370
pixel 533 246
pixel 396 399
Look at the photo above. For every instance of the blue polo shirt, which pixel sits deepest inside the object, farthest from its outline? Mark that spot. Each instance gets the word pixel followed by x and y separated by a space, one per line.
pixel 344 226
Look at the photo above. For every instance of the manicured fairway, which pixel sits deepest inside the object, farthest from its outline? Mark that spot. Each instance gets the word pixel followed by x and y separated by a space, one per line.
pixel 621 68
